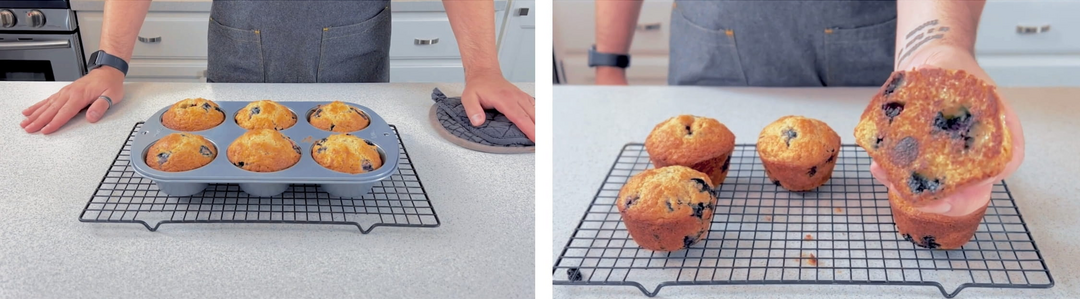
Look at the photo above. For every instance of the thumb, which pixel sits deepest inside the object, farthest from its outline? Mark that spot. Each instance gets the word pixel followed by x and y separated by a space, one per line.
pixel 100 105
pixel 473 109
pixel 879 174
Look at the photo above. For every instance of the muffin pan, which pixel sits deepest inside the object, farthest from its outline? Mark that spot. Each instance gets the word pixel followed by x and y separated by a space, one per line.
pixel 306 171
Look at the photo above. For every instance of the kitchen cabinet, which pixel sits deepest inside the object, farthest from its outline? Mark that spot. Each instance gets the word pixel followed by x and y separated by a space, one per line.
pixel 172 41
pixel 1011 43
pixel 517 51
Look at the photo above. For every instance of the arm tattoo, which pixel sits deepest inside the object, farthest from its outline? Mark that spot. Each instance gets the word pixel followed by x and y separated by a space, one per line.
pixel 919 36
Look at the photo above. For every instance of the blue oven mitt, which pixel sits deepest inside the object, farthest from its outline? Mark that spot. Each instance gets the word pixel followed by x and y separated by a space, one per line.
pixel 496 135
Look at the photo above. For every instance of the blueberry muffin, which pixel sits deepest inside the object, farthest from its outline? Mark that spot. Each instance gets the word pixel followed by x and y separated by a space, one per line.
pixel 346 153
pixel 338 117
pixel 701 143
pixel 798 153
pixel 930 230
pixel 667 209
pixel 263 150
pixel 265 114
pixel 180 152
pixel 193 115
pixel 933 130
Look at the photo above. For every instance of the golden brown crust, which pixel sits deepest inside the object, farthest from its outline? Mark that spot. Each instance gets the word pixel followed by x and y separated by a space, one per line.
pixel 263 150
pixel 180 152
pixel 193 115
pixel 346 153
pixel 933 130
pixel 688 139
pixel 798 153
pixel 265 114
pixel 338 117
pixel 931 230
pixel 701 143
pixel 667 209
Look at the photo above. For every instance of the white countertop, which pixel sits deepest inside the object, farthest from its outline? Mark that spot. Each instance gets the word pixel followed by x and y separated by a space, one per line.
pixel 204 5
pixel 591 125
pixel 484 246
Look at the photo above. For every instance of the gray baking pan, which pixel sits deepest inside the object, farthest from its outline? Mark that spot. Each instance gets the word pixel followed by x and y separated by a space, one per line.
pixel 306 171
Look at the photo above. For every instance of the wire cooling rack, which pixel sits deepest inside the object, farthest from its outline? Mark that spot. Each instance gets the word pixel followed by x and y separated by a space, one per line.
pixel 125 197
pixel 761 234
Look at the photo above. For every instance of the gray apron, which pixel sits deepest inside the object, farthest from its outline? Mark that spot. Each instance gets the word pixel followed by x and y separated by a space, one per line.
pixel 782 43
pixel 299 41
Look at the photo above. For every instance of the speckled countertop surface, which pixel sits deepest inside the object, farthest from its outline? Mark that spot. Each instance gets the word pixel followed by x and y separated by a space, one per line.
pixel 204 5
pixel 483 248
pixel 591 124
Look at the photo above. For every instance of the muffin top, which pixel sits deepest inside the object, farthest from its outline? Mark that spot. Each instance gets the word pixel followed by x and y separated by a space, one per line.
pixel 933 130
pixel 263 150
pixel 338 117
pixel 265 114
pixel 180 152
pixel 346 153
pixel 672 192
pixel 798 141
pixel 193 115
pixel 688 139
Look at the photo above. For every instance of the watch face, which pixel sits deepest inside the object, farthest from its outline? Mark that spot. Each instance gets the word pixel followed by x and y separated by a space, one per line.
pixel 93 59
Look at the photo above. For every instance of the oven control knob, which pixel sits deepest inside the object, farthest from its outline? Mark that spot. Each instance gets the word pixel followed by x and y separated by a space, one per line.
pixel 37 19
pixel 7 19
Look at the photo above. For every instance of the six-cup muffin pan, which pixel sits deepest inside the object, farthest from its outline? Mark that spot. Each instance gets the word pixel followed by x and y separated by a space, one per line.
pixel 306 171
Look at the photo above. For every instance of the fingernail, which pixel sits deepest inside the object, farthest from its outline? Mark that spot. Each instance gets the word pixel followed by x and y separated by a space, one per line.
pixel 92 116
pixel 476 119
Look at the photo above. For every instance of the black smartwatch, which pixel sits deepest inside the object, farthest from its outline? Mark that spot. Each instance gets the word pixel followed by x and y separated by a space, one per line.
pixel 100 58
pixel 607 59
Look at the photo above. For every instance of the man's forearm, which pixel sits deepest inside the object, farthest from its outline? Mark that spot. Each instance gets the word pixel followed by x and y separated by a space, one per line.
pixel 929 23
pixel 120 26
pixel 473 23
pixel 615 24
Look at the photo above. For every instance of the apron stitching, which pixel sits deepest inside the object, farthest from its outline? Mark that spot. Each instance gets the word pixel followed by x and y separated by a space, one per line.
pixel 738 57
pixel 828 65
pixel 322 48
pixel 262 54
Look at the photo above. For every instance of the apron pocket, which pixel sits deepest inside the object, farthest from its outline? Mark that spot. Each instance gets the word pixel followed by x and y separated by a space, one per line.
pixel 861 56
pixel 234 55
pixel 356 53
pixel 702 56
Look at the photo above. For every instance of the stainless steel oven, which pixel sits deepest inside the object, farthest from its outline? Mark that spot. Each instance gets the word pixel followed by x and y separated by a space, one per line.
pixel 39 43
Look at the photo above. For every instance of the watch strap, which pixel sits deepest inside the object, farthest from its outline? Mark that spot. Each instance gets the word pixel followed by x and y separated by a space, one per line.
pixel 100 58
pixel 607 59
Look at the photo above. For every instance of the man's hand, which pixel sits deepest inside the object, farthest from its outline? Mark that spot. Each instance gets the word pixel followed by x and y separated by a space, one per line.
pixel 972 197
pixel 52 113
pixel 492 91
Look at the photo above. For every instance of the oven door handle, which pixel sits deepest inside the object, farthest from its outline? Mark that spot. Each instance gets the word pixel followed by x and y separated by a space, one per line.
pixel 35 45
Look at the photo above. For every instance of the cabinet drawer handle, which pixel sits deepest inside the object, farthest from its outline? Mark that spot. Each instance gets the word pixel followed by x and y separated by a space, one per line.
pixel 648 27
pixel 427 41
pixel 150 40
pixel 522 12
pixel 1032 29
